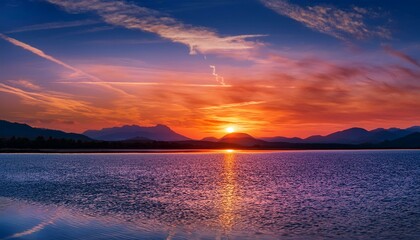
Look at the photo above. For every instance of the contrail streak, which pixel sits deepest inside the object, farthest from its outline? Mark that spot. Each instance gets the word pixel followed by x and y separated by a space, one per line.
pixel 40 53
pixel 151 84
pixel 219 78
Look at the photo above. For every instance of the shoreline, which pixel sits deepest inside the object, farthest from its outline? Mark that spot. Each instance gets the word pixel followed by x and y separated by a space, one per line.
pixel 188 150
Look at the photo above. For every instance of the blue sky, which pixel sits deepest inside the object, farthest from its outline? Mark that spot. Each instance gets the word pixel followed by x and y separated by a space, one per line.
pixel 119 59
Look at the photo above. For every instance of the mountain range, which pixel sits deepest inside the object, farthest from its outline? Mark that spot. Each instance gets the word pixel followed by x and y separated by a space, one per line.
pixel 159 134
pixel 351 136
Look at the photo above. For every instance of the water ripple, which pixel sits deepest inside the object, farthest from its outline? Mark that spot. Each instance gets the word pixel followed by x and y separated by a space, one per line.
pixel 308 194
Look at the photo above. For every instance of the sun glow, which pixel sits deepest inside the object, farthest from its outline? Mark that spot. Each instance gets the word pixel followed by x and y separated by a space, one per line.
pixel 230 129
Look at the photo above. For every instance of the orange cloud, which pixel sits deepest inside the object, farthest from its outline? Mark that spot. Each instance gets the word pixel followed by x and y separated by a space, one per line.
pixel 285 96
pixel 26 84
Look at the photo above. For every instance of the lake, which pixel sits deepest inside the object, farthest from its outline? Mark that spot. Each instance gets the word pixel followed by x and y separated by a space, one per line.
pixel 211 195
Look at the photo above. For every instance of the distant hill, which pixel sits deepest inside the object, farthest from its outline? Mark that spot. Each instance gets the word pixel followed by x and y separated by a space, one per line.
pixel 19 130
pixel 210 139
pixel 413 129
pixel 410 141
pixel 127 132
pixel 283 139
pixel 348 136
pixel 242 139
pixel 352 136
pixel 22 136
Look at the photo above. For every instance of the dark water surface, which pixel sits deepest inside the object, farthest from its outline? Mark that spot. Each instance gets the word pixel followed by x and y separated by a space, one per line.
pixel 211 195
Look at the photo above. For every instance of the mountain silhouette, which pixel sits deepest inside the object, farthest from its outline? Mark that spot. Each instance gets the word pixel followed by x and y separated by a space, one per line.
pixel 22 136
pixel 283 139
pixel 349 136
pixel 242 139
pixel 210 139
pixel 410 141
pixel 19 130
pixel 127 132
pixel 352 136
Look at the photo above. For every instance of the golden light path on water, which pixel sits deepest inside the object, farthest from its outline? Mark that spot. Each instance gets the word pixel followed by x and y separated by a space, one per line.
pixel 228 196
pixel 223 194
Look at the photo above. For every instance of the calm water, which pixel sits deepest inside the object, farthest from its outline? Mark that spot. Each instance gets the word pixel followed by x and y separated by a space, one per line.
pixel 213 195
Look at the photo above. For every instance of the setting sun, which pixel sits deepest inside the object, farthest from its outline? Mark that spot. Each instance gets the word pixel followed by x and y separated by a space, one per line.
pixel 230 129
pixel 223 119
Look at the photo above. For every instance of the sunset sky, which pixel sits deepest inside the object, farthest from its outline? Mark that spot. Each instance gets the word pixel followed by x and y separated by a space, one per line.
pixel 265 67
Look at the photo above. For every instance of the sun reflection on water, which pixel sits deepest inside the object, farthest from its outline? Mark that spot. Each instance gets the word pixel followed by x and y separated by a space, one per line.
pixel 228 197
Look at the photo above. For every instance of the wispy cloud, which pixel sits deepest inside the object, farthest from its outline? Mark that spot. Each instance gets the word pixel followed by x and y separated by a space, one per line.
pixel 26 84
pixel 54 25
pixel 149 84
pixel 125 41
pixel 40 53
pixel 127 15
pixel 218 78
pixel 56 102
pixel 401 55
pixel 231 105
pixel 318 97
pixel 92 30
pixel 330 20
pixel 62 106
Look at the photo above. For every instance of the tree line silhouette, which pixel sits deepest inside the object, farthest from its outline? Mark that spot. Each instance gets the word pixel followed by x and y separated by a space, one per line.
pixel 17 144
